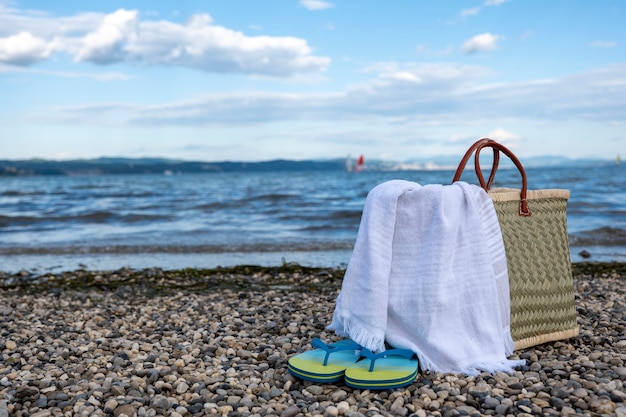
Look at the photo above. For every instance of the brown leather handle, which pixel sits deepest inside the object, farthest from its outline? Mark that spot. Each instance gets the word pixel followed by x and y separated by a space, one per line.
pixel 497 147
pixel 466 157
pixel 523 204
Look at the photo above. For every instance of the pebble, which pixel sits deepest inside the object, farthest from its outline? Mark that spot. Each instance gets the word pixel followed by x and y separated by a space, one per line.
pixel 481 391
pixel 332 411
pixel 223 350
pixel 126 409
pixel 110 405
pixel 291 411
pixel 315 389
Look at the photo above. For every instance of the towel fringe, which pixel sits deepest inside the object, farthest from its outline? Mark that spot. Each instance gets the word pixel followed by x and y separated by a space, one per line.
pixel 507 366
pixel 358 333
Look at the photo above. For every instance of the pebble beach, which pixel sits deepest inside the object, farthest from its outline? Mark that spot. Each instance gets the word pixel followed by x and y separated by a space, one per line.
pixel 216 343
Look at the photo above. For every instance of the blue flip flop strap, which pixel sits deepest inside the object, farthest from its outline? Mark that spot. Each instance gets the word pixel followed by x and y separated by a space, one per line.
pixel 391 352
pixel 347 345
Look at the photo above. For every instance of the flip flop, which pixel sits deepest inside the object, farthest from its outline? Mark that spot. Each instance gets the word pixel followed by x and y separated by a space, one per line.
pixel 392 368
pixel 327 363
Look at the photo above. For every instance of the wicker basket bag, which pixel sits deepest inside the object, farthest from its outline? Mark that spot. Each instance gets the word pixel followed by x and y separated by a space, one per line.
pixel 534 230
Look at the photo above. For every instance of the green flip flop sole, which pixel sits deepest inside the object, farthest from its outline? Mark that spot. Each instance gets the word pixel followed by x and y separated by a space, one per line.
pixel 393 368
pixel 325 364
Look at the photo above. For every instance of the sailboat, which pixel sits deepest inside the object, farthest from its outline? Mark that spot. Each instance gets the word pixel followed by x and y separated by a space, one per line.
pixel 360 164
pixel 356 167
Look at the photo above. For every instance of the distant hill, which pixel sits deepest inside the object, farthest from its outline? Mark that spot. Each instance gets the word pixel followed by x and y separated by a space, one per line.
pixel 112 166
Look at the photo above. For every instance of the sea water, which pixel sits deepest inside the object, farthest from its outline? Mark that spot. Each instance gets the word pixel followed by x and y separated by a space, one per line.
pixel 58 223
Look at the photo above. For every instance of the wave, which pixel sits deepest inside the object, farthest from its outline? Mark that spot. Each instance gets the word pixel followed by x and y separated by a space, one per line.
pixel 318 216
pixel 214 206
pixel 181 249
pixel 18 193
pixel 99 217
pixel 15 193
pixel 276 197
pixel 603 236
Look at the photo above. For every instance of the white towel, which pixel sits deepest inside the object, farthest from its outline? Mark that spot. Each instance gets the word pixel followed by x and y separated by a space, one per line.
pixel 428 273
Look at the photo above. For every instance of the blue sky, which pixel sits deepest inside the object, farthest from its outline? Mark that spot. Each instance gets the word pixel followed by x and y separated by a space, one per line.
pixel 300 79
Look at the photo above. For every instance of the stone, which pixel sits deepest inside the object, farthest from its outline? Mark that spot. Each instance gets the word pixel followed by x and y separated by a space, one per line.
pixel 541 403
pixel 466 410
pixel 26 392
pixel 160 403
pixel 398 403
pixel 182 388
pixel 233 400
pixel 290 411
pixel 42 413
pixel 315 389
pixel 125 409
pixel 42 402
pixel 491 403
pixel 275 392
pixel 480 391
pixel 332 411
pixel 434 405
pixel 602 406
pixel 343 407
pixel 338 395
pixel 618 396
pixel 110 405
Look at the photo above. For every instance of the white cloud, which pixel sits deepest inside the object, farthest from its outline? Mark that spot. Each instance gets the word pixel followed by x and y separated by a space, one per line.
pixel 42 25
pixel 603 44
pixel 417 95
pixel 505 137
pixel 461 137
pixel 107 43
pixel 402 76
pixel 470 12
pixel 426 51
pixel 97 76
pixel 494 2
pixel 24 49
pixel 475 10
pixel 316 4
pixel 122 37
pixel 480 43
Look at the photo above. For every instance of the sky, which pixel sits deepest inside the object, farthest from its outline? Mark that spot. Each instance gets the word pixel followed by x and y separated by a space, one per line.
pixel 247 80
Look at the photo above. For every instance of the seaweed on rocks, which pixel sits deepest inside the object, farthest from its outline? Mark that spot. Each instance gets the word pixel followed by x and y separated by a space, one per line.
pixel 157 281
pixel 288 276
pixel 599 268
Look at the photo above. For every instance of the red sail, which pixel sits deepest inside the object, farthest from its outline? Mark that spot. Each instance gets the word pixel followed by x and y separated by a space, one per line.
pixel 359 163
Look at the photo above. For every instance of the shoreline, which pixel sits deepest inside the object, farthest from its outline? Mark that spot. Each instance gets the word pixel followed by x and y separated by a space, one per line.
pixel 67 259
pixel 216 342
pixel 252 277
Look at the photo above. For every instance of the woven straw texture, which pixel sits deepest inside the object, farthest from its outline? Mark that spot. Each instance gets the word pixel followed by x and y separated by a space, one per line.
pixel 538 258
